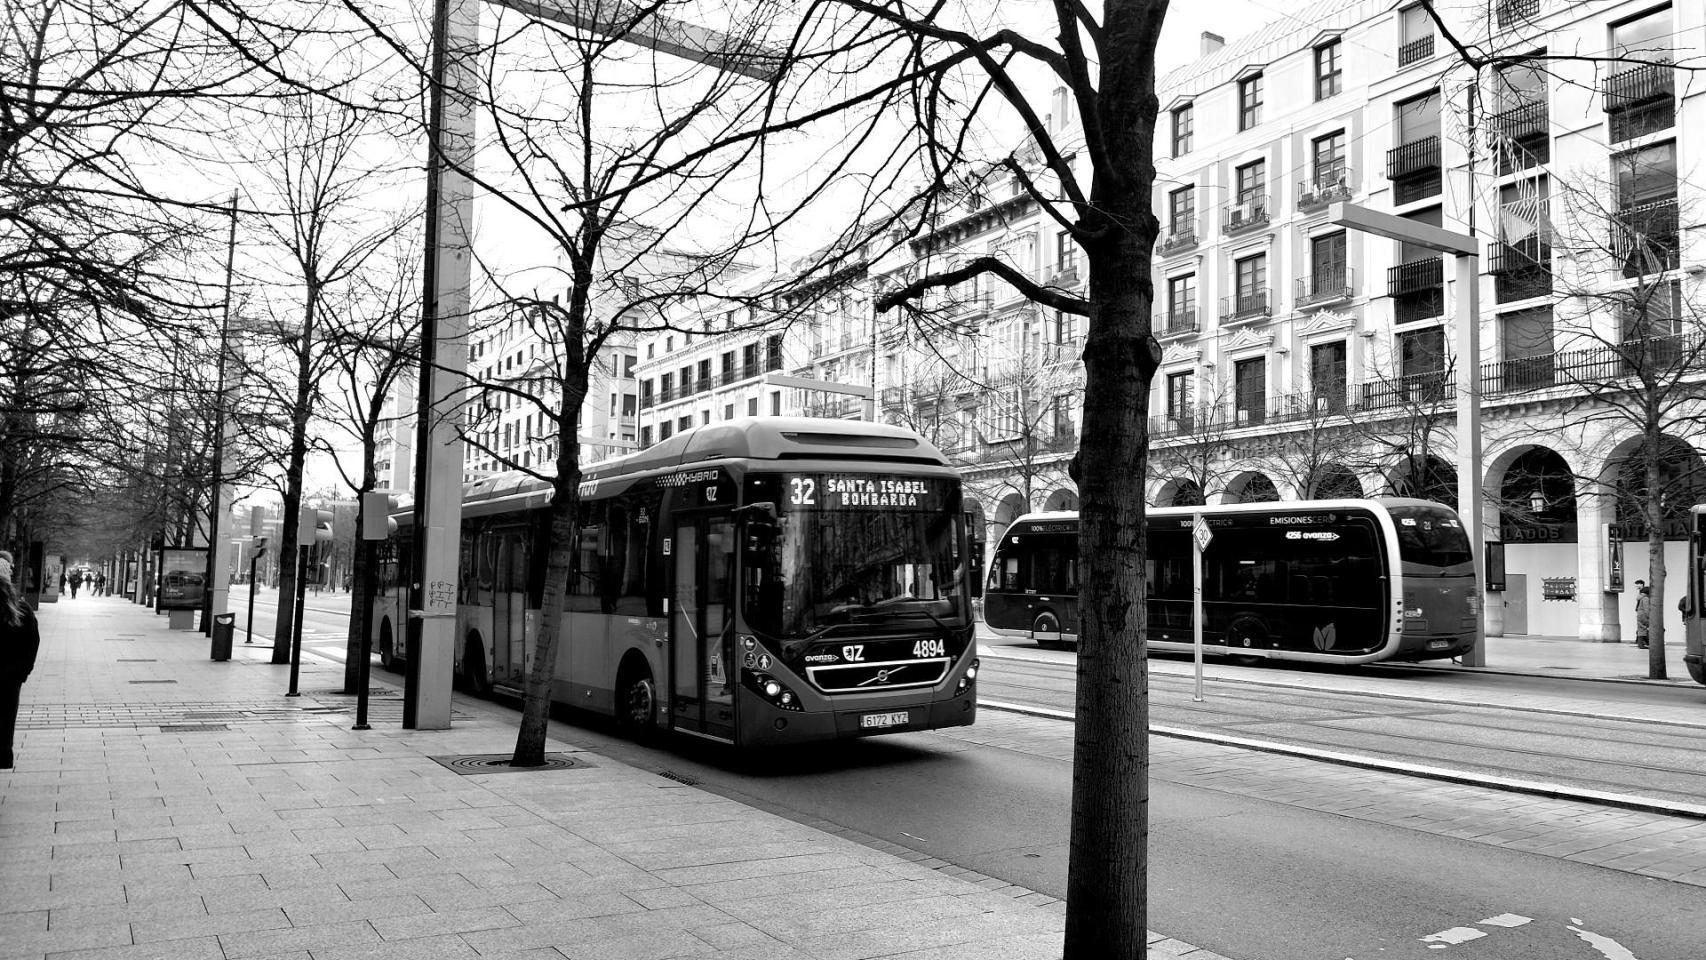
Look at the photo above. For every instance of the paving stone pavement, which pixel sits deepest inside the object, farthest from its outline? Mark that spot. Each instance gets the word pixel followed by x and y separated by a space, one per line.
pixel 168 806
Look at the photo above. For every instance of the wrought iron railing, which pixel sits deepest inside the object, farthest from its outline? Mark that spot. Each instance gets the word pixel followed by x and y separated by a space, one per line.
pixel 1247 214
pixel 1410 159
pixel 1638 85
pixel 1525 121
pixel 1170 323
pixel 1183 237
pixel 1065 351
pixel 1512 12
pixel 1416 277
pixel 1328 286
pixel 1607 365
pixel 1333 184
pixel 892 396
pixel 1644 237
pixel 1416 51
pixel 1246 306
pixel 1525 255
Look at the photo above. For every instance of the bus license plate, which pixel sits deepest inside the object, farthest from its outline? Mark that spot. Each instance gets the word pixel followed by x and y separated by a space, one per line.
pixel 872 720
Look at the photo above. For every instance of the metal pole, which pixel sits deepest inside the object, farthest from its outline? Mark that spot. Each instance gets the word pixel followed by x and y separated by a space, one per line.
pixel 249 632
pixel 296 634
pixel 1196 603
pixel 368 591
pixel 1469 505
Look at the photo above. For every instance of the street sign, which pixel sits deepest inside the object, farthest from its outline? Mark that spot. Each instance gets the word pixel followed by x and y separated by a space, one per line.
pixel 1201 533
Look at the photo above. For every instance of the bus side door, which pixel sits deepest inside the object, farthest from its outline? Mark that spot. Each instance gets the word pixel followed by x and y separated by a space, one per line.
pixel 702 667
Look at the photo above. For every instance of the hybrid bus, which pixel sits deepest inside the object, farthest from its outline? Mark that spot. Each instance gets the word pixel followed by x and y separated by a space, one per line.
pixel 1334 581
pixel 757 581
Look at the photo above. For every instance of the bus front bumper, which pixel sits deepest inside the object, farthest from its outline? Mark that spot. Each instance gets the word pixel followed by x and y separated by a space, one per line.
pixel 771 726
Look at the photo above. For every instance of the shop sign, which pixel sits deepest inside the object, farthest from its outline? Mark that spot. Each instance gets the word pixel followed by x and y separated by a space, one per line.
pixel 1558 588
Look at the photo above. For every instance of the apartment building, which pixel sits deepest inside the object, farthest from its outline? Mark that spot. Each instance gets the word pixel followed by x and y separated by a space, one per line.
pixel 1302 359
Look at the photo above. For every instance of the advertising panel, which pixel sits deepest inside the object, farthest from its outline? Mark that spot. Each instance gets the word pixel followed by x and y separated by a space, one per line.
pixel 183 576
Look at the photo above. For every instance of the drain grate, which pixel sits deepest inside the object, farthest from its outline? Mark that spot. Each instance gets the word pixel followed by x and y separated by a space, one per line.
pixel 193 727
pixel 499 763
pixel 153 681
pixel 680 778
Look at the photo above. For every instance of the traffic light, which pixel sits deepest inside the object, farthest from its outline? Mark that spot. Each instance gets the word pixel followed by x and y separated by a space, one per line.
pixel 312 525
pixel 376 509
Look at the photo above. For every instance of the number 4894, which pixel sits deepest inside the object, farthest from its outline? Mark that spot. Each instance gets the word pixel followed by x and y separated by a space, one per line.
pixel 929 648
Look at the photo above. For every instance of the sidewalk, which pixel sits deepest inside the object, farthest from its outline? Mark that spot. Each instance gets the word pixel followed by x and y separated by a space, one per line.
pixel 165 805
pixel 1572 657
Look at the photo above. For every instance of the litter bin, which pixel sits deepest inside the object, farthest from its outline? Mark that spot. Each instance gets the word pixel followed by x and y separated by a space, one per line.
pixel 223 626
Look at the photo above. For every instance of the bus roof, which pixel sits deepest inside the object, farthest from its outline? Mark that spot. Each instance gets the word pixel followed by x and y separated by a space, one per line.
pixel 1362 503
pixel 776 438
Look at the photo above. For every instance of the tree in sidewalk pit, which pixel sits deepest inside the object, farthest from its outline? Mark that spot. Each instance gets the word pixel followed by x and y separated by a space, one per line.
pixel 1093 180
pixel 321 215
pixel 372 349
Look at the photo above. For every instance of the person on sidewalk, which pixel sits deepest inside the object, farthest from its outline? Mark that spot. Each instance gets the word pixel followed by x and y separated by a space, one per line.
pixel 1643 612
pixel 20 639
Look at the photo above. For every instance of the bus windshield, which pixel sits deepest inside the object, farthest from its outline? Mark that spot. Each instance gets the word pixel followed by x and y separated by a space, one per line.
pixel 812 571
pixel 1433 538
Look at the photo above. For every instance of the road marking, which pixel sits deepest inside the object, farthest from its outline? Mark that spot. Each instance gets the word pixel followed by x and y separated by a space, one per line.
pixel 1608 948
pixel 1452 937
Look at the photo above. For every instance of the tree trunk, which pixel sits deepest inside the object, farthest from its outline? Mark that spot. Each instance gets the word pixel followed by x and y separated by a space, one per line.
pixel 288 547
pixel 1653 510
pixel 1107 875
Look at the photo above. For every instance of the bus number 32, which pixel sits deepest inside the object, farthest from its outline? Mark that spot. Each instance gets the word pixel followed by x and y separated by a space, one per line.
pixel 929 648
pixel 804 492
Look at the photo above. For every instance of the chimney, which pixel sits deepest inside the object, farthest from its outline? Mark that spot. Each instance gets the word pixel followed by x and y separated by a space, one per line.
pixel 1211 42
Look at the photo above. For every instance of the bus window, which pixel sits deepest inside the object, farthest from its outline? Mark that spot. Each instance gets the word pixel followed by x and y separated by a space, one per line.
pixel 1430 536
pixel 586 577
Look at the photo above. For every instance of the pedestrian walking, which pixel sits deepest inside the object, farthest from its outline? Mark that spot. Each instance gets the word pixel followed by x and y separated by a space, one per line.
pixel 101 584
pixel 1643 612
pixel 76 581
pixel 20 639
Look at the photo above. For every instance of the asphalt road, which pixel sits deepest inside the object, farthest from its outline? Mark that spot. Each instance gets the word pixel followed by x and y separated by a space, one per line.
pixel 1230 870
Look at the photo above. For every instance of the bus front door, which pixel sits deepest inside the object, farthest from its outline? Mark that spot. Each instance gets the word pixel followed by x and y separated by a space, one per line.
pixel 702 673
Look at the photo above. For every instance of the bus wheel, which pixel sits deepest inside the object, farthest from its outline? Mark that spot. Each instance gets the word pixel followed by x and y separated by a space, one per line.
pixel 636 702
pixel 1246 632
pixel 474 667
pixel 1046 630
pixel 388 649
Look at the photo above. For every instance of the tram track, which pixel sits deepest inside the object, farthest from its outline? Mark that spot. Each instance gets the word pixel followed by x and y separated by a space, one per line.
pixel 1602 756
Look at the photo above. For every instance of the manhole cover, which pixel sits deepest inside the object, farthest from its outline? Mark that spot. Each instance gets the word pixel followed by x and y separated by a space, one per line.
pixel 499 763
pixel 192 727
pixel 153 681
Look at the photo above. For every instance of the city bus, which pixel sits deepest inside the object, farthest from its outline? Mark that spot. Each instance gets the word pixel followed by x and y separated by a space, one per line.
pixel 1330 581
pixel 757 581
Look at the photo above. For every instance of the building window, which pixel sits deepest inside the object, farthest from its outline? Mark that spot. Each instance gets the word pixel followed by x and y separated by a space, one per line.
pixel 1179 400
pixel 1328 73
pixel 1182 124
pixel 776 404
pixel 1415 35
pixel 1250 385
pixel 1327 161
pixel 1327 380
pixel 1421 359
pixel 645 437
pixel 1065 252
pixel 1252 181
pixel 752 406
pixel 1182 212
pixel 1181 303
pixel 1645 232
pixel 1526 347
pixel 1249 102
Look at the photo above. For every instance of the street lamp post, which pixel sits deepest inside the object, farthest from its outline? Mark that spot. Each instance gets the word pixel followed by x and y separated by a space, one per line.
pixel 1465 251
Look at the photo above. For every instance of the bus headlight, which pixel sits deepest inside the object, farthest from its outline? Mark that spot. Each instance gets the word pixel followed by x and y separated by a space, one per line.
pixel 971 671
pixel 772 689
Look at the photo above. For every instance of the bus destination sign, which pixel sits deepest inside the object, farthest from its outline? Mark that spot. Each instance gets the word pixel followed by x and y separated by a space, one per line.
pixel 861 491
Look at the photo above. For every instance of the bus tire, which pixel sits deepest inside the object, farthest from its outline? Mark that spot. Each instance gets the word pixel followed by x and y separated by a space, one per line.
pixel 636 700
pixel 1047 623
pixel 1246 631
pixel 388 649
pixel 474 673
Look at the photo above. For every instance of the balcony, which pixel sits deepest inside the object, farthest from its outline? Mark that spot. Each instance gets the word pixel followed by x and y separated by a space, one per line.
pixel 1661 358
pixel 1183 237
pixel 1413 159
pixel 893 396
pixel 1521 123
pixel 773 362
pixel 1416 51
pixel 1639 85
pixel 1644 237
pixel 1527 255
pixel 1426 388
pixel 1176 323
pixel 1510 13
pixel 1422 276
pixel 1066 351
pixel 1248 214
pixel 1333 185
pixel 1330 286
pixel 1252 305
